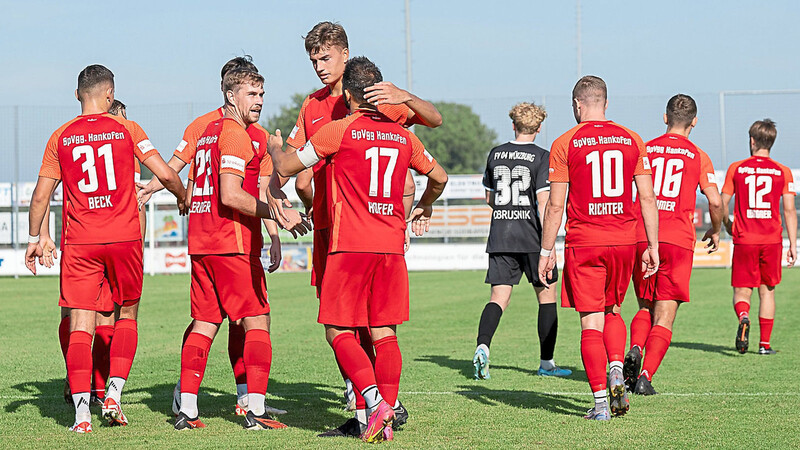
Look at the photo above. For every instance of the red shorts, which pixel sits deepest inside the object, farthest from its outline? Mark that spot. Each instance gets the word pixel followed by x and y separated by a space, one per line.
pixel 754 265
pixel 596 277
pixel 228 285
pixel 85 269
pixel 671 282
pixel 319 256
pixel 364 289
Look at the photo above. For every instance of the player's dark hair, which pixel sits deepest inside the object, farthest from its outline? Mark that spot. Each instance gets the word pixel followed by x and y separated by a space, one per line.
pixel 590 89
pixel 237 77
pixel 359 74
pixel 117 108
pixel 92 77
pixel 763 133
pixel 681 111
pixel 325 34
pixel 240 62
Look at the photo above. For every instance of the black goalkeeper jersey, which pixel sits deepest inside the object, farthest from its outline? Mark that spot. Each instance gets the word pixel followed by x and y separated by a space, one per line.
pixel 515 173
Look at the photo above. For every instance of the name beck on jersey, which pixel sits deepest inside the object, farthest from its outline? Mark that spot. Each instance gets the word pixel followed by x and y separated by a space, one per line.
pixel 100 201
pixel 599 140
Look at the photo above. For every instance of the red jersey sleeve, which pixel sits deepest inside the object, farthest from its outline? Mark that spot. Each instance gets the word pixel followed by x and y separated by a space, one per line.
pixel 788 187
pixel 191 170
pixel 727 188
pixel 235 150
pixel 142 148
pixel 50 165
pixel 188 146
pixel 324 143
pixel 421 160
pixel 559 167
pixel 297 137
pixel 398 113
pixel 707 175
pixel 643 164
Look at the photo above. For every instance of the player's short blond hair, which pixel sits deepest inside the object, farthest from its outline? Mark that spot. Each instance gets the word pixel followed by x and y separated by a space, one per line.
pixel 590 89
pixel 527 117
pixel 763 133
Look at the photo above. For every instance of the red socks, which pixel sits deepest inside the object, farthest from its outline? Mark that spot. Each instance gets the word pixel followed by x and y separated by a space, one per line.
pixel 187 332
pixel 79 362
pixel 63 336
pixel 194 358
pixel 364 338
pixel 742 309
pixel 236 352
pixel 355 362
pixel 614 336
pixel 123 348
pixel 765 326
pixel 388 365
pixel 100 358
pixel 657 346
pixel 257 360
pixel 593 354
pixel 640 328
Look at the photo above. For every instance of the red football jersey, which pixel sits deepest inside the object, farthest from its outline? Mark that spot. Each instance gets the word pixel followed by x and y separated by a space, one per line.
pixel 679 167
pixel 758 184
pixel 319 109
pixel 369 155
pixel 215 229
pixel 599 160
pixel 188 146
pixel 93 156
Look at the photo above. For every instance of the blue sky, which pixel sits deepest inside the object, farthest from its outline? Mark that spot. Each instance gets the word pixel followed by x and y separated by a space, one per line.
pixel 488 54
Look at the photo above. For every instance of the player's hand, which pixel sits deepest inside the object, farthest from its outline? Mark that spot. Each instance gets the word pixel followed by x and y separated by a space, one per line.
pixel 183 206
pixel 791 255
pixel 407 241
pixel 49 252
pixel 385 92
pixel 421 219
pixel 650 261
pixel 144 194
pixel 713 240
pixel 274 255
pixel 297 223
pixel 546 266
pixel 31 253
pixel 275 142
pixel 277 201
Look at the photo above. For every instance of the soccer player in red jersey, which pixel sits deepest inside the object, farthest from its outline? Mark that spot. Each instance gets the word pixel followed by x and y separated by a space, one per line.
pixel 599 161
pixel 93 155
pixel 760 184
pixel 366 284
pixel 328 49
pixel 225 247
pixel 183 155
pixel 679 168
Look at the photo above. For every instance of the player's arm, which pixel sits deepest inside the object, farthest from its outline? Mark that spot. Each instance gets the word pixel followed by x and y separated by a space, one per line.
pixel 717 214
pixel 288 163
pixel 553 213
pixel 272 229
pixel 647 200
pixel 387 93
pixel 49 248
pixel 790 219
pixel 169 178
pixel 541 200
pixel 304 188
pixel 40 201
pixel 147 190
pixel 420 217
pixel 726 213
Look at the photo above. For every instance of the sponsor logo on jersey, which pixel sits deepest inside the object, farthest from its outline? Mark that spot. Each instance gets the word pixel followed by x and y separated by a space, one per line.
pixel 646 163
pixel 181 146
pixel 791 187
pixel 713 178
pixel 145 146
pixel 294 132
pixel 317 120
pixel 427 155
pixel 231 162
pixel 256 145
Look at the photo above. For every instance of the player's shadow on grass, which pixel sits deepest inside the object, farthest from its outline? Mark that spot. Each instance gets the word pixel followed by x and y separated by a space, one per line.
pixel 711 348
pixel 559 404
pixel 465 368
pixel 47 396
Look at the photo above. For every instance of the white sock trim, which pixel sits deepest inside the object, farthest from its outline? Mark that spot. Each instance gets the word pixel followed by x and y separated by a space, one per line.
pixel 189 404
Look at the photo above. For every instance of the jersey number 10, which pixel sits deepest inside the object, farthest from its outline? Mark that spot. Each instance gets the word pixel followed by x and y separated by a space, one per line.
pixel 88 167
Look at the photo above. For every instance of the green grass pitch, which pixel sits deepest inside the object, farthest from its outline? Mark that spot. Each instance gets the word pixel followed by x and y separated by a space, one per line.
pixel 710 395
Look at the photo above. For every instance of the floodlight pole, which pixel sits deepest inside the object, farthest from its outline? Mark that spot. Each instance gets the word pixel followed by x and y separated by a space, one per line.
pixel 409 78
pixel 579 62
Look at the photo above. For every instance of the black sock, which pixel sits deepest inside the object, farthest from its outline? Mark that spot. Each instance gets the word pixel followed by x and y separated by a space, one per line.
pixel 548 329
pixel 489 321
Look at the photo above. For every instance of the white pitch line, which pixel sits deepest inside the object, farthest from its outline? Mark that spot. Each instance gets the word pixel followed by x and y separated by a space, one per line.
pixel 141 395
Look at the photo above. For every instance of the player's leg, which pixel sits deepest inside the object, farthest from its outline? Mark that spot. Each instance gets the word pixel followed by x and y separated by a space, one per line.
pixel 745 275
pixel 593 355
pixel 258 361
pixel 103 332
pixel 79 365
pixel 657 344
pixel 741 305
pixel 547 322
pixel 766 317
pixel 619 263
pixel 503 273
pixel 121 355
pixel 194 358
pixel 644 288
pixel 236 335
pixel 63 340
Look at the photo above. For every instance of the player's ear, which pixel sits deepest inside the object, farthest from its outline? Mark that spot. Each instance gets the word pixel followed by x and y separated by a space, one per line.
pixel 666 122
pixel 605 106
pixel 346 53
pixel 230 97
pixel 77 97
pixel 694 122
